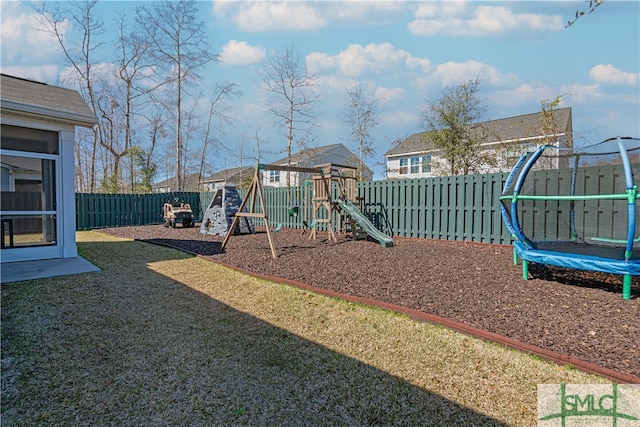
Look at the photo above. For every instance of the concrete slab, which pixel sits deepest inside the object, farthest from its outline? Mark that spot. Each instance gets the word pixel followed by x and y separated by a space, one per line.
pixel 41 269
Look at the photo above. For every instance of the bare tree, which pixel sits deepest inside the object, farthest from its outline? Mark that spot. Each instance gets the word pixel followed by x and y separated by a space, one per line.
pixel 111 126
pixel 217 108
pixel 135 72
pixel 452 127
pixel 244 149
pixel 293 97
pixel 361 118
pixel 142 158
pixel 179 42
pixel 79 56
pixel 82 152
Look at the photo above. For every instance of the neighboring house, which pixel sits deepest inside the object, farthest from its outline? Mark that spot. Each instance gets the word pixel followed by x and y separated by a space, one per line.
pixel 505 139
pixel 191 183
pixel 336 154
pixel 38 210
pixel 234 176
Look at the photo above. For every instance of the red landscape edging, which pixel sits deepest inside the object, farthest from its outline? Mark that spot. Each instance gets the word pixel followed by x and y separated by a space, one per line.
pixel 559 358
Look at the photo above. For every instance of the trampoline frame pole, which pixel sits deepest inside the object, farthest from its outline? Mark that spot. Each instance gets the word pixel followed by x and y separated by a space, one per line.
pixel 626 287
pixel 572 202
pixel 632 192
pixel 525 269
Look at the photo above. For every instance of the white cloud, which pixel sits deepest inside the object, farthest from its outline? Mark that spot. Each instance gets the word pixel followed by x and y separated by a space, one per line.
pixel 609 74
pixel 377 61
pixel 579 94
pixel 451 73
pixel 39 73
pixel 241 53
pixel 331 84
pixel 308 15
pixel 373 12
pixel 440 9
pixel 270 16
pixel 24 40
pixel 386 95
pixel 358 60
pixel 527 94
pixel 452 18
pixel 400 120
pixel 319 61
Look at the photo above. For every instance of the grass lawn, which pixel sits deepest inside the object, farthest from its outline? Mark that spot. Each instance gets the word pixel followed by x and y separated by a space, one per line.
pixel 159 337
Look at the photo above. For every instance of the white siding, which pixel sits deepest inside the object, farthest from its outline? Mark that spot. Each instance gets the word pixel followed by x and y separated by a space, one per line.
pixel 505 160
pixel 266 180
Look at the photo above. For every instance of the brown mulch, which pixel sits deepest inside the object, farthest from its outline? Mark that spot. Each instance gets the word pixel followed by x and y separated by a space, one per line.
pixel 579 314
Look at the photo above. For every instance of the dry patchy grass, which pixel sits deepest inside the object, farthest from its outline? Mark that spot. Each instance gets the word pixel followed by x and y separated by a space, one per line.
pixel 162 338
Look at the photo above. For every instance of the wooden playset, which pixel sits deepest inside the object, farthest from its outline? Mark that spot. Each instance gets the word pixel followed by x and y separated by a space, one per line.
pixel 334 189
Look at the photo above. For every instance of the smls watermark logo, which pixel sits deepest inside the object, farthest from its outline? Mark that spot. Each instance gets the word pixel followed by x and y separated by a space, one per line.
pixel 592 405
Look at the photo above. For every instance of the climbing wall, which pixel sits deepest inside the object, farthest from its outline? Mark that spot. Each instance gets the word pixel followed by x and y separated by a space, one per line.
pixel 219 215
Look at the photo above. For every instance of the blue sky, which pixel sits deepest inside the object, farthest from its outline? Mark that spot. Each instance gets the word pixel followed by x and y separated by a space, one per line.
pixel 403 54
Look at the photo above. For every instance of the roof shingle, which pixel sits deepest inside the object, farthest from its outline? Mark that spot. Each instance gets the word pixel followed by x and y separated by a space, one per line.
pixel 28 96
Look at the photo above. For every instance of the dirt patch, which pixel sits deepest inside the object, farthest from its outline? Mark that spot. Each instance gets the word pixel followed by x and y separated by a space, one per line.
pixel 579 314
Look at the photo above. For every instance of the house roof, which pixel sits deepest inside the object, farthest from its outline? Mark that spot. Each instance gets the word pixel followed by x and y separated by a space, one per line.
pixel 43 100
pixel 336 154
pixel 507 129
pixel 231 174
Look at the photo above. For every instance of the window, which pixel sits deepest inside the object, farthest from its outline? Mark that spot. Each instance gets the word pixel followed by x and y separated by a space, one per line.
pixel 404 166
pixel 415 164
pixel 274 176
pixel 426 164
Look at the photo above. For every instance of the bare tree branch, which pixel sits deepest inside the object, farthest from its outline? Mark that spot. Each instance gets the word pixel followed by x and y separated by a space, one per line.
pixel 293 97
pixel 179 42
pixel 361 118
pixel 593 4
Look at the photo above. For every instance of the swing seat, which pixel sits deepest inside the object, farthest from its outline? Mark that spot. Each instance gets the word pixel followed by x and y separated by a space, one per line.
pixel 293 211
pixel 313 224
pixel 278 228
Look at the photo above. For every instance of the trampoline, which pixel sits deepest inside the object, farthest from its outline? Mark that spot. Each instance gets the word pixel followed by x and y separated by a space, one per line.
pixel 576 208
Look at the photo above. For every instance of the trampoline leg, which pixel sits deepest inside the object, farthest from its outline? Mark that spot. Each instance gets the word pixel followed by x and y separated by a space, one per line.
pixel 525 269
pixel 515 257
pixel 626 286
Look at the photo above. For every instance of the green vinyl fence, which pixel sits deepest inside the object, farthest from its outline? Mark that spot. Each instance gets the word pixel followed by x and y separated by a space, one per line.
pixel 282 202
pixel 449 208
pixel 96 210
pixel 549 219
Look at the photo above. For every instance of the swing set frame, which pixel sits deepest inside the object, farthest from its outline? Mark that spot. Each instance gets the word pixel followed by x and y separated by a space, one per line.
pixel 323 178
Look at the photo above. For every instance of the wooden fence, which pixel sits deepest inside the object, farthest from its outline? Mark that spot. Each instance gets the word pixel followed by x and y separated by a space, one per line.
pixel 449 208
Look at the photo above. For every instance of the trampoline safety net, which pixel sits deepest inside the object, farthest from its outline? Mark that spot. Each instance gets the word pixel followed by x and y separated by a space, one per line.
pixel 579 201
